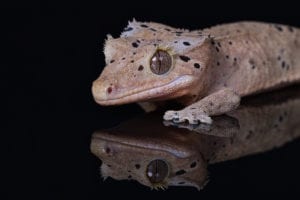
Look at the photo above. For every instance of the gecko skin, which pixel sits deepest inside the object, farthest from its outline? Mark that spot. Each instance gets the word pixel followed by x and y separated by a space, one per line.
pixel 207 71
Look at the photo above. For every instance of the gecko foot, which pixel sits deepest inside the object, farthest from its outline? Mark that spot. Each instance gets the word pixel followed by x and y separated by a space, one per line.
pixel 191 117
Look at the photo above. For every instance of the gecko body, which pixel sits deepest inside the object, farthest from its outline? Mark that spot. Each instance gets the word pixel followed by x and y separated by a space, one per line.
pixel 207 71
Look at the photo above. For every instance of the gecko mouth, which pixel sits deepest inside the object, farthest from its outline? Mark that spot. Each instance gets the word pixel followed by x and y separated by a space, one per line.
pixel 170 90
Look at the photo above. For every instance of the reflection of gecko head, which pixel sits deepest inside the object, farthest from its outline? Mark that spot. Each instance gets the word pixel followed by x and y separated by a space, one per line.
pixel 154 162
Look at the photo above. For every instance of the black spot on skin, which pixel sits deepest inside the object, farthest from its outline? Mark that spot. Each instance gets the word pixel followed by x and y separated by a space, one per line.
pixel 152 29
pixel 280 118
pixel 128 29
pixel 218 63
pixel 278 58
pixel 234 59
pixel 283 64
pixel 180 172
pixel 247 41
pixel 212 42
pixel 167 29
pixel 107 150
pixel 219 44
pixel 129 171
pixel 132 61
pixel 230 43
pixel 129 177
pixel 144 26
pixel 137 166
pixel 184 58
pixel 134 44
pixel 138 41
pixel 250 134
pixel 264 63
pixel 217 49
pixel 227 56
pixel 109 90
pixel 252 64
pixel 194 164
pixel 186 43
pixel 123 58
pixel 279 28
pixel 196 65
pixel 109 166
pixel 215 143
pixel 181 183
pixel 211 103
pixel 175 41
pixel 291 29
pixel 112 61
pixel 141 67
pixel 178 33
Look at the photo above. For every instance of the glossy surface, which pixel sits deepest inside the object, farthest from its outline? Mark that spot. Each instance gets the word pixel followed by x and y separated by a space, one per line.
pixel 259 125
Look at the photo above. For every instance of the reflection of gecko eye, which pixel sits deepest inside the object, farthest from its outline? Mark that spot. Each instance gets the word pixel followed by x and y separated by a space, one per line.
pixel 157 171
pixel 160 62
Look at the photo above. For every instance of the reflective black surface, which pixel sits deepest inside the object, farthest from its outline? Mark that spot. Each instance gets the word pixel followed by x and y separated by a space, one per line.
pixel 178 155
pixel 52 53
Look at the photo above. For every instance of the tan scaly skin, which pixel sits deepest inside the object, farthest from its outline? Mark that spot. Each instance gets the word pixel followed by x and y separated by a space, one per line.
pixel 208 71
pixel 128 150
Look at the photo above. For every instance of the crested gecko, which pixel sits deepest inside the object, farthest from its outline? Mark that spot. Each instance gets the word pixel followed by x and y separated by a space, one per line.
pixel 180 157
pixel 207 71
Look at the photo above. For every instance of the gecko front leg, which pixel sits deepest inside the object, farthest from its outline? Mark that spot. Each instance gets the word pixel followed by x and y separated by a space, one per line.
pixel 216 103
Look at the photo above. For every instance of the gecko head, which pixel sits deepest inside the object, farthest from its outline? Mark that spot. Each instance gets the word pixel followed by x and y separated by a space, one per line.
pixel 149 62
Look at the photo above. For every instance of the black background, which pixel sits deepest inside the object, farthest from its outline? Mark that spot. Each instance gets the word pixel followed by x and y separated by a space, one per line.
pixel 53 52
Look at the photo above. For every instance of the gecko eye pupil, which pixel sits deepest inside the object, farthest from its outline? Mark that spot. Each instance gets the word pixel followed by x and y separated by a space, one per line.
pixel 161 62
pixel 157 171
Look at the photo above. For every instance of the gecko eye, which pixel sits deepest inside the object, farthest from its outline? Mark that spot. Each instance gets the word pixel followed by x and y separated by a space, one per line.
pixel 160 62
pixel 157 171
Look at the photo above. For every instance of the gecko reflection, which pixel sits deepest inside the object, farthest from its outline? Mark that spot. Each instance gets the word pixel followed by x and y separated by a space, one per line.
pixel 145 150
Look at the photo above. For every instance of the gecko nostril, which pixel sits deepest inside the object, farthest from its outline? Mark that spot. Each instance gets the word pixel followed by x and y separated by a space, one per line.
pixel 109 90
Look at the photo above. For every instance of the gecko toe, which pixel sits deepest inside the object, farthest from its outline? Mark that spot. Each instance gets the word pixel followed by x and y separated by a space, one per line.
pixel 170 115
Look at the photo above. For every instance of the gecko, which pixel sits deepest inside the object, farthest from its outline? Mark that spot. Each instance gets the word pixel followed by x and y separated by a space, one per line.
pixel 206 71
pixel 180 157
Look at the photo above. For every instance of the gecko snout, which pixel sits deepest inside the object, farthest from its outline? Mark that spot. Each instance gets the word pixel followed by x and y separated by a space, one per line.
pixel 101 91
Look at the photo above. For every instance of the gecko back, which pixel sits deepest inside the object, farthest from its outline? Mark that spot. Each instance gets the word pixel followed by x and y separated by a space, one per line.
pixel 252 57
